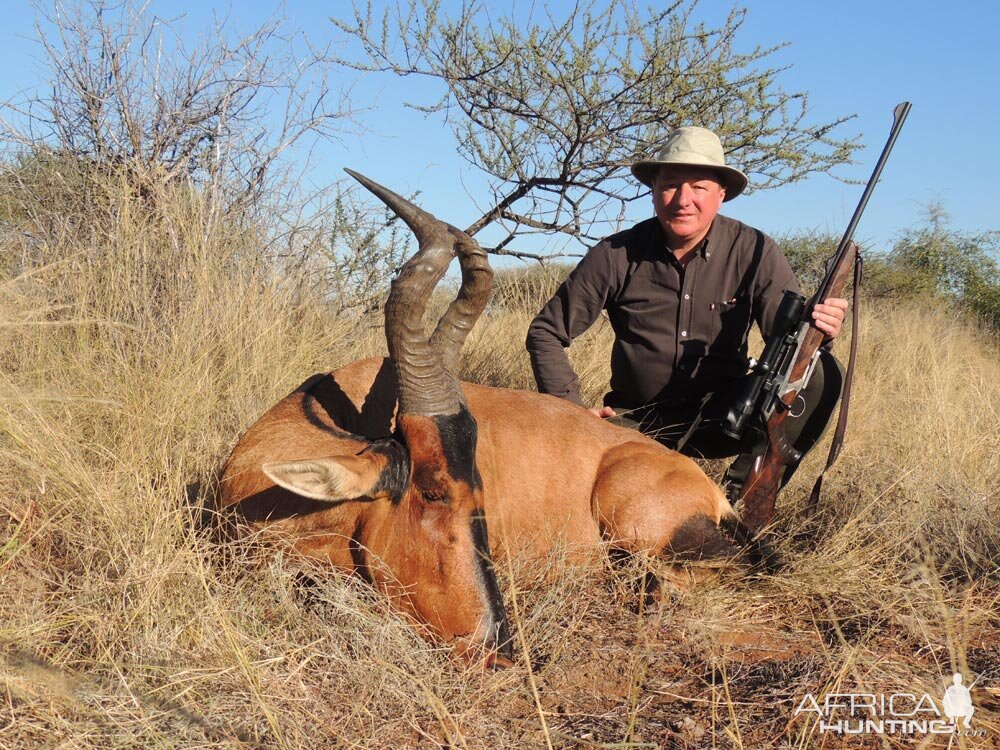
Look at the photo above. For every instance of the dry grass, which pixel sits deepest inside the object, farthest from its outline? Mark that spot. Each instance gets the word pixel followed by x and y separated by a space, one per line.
pixel 129 366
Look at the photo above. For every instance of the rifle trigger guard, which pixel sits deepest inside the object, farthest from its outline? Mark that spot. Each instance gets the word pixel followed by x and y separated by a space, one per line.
pixel 799 402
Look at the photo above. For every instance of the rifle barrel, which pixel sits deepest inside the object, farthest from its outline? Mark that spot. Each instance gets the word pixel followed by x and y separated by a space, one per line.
pixel 899 114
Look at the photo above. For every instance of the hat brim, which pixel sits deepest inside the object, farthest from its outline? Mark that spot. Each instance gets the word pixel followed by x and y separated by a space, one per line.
pixel 733 180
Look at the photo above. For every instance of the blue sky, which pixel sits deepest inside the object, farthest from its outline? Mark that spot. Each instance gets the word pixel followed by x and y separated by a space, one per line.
pixel 852 56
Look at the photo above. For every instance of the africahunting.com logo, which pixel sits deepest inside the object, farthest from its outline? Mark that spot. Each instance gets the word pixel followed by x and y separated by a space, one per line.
pixel 903 713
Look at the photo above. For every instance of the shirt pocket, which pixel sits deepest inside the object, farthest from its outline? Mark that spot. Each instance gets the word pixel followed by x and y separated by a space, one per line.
pixel 728 325
pixel 652 295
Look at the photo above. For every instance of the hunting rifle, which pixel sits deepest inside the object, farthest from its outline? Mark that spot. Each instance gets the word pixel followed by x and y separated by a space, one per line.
pixel 786 365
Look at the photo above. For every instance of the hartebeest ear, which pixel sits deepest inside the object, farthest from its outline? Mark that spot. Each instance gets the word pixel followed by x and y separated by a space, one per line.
pixel 334 478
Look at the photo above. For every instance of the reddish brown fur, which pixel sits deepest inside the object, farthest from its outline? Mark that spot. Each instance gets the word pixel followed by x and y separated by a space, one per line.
pixel 406 508
pixel 552 474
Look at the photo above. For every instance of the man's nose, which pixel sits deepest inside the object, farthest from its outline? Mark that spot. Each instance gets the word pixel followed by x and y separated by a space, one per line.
pixel 682 195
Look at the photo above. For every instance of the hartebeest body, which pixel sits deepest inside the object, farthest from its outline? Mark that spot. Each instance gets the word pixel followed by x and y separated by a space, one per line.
pixel 402 496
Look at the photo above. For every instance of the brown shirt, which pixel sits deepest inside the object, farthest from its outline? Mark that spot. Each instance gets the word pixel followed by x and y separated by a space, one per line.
pixel 680 332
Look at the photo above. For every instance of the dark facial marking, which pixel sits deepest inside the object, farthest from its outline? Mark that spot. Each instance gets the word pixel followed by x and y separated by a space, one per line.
pixel 458 442
pixel 488 580
pixel 395 475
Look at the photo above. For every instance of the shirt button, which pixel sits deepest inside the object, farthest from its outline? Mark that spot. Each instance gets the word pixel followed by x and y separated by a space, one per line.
pixel 708 254
pixel 687 296
pixel 684 333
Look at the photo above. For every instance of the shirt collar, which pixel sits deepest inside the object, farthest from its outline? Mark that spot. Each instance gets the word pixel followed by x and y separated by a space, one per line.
pixel 704 249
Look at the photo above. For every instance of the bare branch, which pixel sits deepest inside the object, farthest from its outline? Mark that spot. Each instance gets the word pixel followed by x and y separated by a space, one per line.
pixel 128 95
pixel 554 110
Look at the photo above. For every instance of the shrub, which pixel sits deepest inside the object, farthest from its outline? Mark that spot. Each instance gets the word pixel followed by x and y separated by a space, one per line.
pixel 937 263
pixel 932 263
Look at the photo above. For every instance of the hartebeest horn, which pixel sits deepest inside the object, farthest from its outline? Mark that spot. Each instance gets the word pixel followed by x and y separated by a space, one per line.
pixel 427 369
pixel 464 311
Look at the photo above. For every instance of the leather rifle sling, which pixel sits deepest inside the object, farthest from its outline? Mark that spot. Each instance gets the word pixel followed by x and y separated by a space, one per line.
pixel 838 435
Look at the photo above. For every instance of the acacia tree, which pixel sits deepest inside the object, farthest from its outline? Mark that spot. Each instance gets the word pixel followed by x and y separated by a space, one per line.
pixel 136 106
pixel 554 109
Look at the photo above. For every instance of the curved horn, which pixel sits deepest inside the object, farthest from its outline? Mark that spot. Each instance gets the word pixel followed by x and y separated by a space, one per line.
pixel 464 311
pixel 426 370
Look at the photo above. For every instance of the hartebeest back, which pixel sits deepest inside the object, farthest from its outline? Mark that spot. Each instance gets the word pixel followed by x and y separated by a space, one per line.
pixel 401 495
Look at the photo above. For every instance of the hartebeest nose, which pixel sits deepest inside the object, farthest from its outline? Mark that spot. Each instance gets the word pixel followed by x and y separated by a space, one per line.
pixel 498 640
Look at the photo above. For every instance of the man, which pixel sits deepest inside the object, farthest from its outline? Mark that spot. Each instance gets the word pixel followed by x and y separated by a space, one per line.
pixel 681 290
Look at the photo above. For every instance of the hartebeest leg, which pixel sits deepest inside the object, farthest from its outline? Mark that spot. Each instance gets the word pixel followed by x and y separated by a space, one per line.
pixel 653 503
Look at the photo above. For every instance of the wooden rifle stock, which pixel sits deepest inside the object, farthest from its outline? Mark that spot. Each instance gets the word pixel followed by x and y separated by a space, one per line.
pixel 760 489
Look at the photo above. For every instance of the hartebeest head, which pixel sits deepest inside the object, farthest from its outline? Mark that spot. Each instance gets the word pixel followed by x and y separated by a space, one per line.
pixel 423 537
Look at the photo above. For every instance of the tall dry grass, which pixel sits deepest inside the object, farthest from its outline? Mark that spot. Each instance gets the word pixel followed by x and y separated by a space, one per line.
pixel 131 361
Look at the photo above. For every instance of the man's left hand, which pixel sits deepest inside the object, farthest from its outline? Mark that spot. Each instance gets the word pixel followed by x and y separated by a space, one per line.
pixel 829 316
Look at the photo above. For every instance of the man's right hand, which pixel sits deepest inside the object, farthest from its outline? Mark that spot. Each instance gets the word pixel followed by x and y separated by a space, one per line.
pixel 603 412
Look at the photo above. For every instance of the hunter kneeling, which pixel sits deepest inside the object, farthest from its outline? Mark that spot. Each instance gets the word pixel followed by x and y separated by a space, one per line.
pixel 680 290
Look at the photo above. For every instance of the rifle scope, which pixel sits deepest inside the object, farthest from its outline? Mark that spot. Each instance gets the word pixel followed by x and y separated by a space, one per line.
pixel 770 361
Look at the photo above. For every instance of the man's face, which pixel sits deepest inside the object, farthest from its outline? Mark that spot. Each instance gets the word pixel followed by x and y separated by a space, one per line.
pixel 686 200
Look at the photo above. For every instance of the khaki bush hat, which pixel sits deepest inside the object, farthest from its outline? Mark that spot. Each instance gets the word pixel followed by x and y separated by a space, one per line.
pixel 693 147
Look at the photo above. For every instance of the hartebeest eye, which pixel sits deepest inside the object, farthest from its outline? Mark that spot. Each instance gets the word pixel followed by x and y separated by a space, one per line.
pixel 434 495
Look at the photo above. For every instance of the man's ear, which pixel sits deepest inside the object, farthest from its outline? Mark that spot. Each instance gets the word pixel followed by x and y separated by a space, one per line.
pixel 333 478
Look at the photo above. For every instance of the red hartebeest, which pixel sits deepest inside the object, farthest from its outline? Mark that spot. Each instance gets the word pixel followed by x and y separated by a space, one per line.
pixel 402 497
